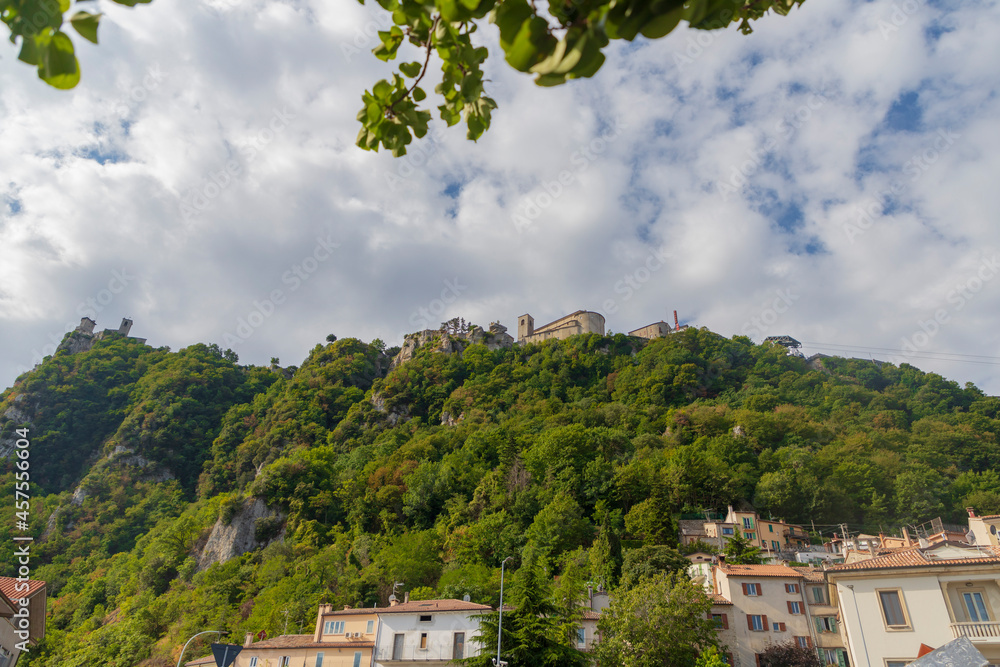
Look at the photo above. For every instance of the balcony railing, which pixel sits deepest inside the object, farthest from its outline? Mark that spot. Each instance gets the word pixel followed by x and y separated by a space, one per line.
pixel 989 631
pixel 433 653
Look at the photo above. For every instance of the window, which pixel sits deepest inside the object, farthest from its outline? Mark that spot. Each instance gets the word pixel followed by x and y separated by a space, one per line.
pixel 751 536
pixel 425 619
pixel 581 637
pixel 458 646
pixel 791 588
pixel 726 530
pixel 253 662
pixel 721 621
pixel 774 546
pixel 284 660
pixel 747 522
pixel 826 624
pixel 319 659
pixel 896 663
pixel 804 642
pixel 892 609
pixel 819 596
pixel 397 647
pixel 357 659
pixel 333 628
pixel 794 607
pixel 370 628
pixel 779 627
pixel 757 623
pixel 976 607
pixel 423 640
pixel 770 527
pixel 751 590
pixel 728 657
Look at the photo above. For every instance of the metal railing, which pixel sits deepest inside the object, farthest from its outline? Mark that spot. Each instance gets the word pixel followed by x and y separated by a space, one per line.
pixel 989 630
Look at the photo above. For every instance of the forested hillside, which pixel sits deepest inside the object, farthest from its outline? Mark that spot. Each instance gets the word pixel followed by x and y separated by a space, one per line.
pixel 568 453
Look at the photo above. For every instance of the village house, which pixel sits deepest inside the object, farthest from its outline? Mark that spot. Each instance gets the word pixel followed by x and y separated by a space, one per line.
pixel 21 625
pixel 926 594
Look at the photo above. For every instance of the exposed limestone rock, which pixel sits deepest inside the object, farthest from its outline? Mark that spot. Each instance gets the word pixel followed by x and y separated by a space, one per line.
pixel 20 417
pixel 240 534
pixel 452 342
pixel 448 420
pixel 78 496
pixel 76 342
pixel 738 431
pixel 394 416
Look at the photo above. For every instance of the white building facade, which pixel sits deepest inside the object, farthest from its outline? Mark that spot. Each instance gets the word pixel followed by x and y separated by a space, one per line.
pixel 930 595
pixel 428 632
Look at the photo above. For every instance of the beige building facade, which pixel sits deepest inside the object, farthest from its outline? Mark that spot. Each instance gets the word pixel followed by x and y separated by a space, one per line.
pixel 892 604
pixel 580 322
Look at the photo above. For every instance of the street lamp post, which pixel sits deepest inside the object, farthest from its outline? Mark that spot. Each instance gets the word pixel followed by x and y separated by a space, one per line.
pixel 497 662
pixel 218 632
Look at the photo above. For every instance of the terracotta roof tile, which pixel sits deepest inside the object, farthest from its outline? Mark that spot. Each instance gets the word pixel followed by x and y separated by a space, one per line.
pixel 305 641
pixel 759 571
pixel 811 574
pixel 718 599
pixel 207 660
pixel 8 588
pixel 914 557
pixel 430 606
pixel 591 615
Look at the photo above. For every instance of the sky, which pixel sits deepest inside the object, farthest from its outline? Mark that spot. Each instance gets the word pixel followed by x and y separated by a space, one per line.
pixel 831 177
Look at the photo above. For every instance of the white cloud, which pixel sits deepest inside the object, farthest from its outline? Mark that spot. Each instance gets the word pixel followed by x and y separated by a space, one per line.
pixel 251 106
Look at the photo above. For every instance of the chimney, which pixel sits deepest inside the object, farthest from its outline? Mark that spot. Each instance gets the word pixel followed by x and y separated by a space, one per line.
pixel 677 324
pixel 722 559
pixel 406 597
pixel 346 607
pixel 906 537
pixel 392 600
pixel 971 511
pixel 466 598
pixel 248 639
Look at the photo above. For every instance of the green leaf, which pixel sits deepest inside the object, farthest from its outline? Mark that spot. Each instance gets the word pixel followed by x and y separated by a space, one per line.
pixel 29 51
pixel 132 3
pixel 661 25
pixel 419 95
pixel 533 42
pixel 57 64
pixel 411 70
pixel 86 25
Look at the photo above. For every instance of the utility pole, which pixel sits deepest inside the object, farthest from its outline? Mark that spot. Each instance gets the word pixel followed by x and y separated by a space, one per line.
pixel 498 662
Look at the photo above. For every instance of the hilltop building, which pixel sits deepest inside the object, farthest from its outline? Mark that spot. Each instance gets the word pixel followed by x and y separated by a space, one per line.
pixel 658 329
pixel 580 322
pixel 82 338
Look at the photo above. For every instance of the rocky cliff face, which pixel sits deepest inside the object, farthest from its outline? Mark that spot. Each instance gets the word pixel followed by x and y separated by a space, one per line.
pixel 250 528
pixel 452 342
pixel 17 413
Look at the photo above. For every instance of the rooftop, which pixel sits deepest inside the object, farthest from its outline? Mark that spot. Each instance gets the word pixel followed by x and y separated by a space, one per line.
pixel 733 570
pixel 940 554
pixel 8 586
pixel 425 606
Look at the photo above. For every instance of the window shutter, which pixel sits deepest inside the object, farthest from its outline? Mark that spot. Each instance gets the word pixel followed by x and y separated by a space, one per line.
pixel 765 624
pixel 841 658
pixel 833 624
pixel 749 621
pixel 781 627
pixel 746 590
pixel 725 621
pixel 818 622
pixel 809 642
pixel 789 603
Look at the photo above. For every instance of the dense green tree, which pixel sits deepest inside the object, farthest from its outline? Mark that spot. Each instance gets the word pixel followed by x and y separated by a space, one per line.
pixel 739 550
pixel 651 561
pixel 660 622
pixel 788 654
pixel 536 630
